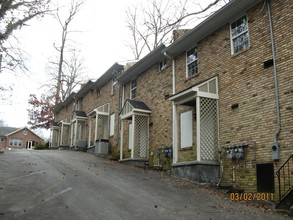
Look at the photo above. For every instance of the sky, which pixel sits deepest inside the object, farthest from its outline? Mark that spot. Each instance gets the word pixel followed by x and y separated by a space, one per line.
pixel 99 31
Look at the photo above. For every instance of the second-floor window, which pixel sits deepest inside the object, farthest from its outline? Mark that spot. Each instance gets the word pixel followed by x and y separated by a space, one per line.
pixel 133 88
pixel 78 106
pixel 239 35
pixel 114 83
pixel 191 62
pixel 162 64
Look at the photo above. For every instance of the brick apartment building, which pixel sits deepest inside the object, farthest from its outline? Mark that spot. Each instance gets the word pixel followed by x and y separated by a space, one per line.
pixel 215 106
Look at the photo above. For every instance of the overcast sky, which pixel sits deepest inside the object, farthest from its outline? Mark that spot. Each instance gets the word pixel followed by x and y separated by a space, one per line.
pixel 101 36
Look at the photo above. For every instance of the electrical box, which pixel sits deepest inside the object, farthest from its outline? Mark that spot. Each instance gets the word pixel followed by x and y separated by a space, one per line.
pixel 276 151
pixel 236 152
pixel 102 147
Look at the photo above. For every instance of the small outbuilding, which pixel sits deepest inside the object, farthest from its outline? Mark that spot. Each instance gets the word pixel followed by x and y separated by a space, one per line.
pixel 18 138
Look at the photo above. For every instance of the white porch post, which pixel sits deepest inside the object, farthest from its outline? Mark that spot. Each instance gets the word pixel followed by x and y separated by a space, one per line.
pixel 71 135
pixel 175 134
pixel 90 129
pixel 75 133
pixel 121 141
pixel 96 126
pixel 198 127
pixel 133 138
pixel 61 134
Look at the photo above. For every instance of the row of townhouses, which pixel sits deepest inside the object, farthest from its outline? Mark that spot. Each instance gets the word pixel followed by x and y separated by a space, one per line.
pixel 215 106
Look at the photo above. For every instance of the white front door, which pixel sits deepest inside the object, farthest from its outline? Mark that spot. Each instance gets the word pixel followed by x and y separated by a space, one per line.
pixel 29 145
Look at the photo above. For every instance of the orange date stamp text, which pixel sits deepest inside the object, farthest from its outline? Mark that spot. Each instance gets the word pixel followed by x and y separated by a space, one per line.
pixel 248 196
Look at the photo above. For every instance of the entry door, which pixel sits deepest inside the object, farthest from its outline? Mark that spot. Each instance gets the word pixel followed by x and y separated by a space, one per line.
pixel 29 145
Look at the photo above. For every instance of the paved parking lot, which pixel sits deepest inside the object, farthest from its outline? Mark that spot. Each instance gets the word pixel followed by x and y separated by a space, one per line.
pixel 75 185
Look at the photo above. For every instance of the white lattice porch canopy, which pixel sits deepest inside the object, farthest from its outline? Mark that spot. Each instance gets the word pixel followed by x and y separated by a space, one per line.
pixel 207 89
pixel 132 107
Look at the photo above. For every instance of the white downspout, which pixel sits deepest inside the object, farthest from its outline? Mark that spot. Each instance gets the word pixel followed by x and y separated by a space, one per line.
pixel 275 73
pixel 174 112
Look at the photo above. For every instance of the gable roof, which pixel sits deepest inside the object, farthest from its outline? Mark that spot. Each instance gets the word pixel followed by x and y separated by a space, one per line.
pixel 131 107
pixel 142 65
pixel 10 130
pixel 210 25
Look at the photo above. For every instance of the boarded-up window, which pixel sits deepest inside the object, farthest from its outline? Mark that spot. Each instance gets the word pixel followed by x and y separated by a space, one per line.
pixel 186 129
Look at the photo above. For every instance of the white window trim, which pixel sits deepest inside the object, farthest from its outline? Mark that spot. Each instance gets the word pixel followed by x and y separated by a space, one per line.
pixel 196 60
pixel 232 38
pixel 162 65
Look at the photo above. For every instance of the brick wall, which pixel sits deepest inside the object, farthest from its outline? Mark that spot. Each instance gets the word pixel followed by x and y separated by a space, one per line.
pixel 30 136
pixel 153 87
pixel 243 80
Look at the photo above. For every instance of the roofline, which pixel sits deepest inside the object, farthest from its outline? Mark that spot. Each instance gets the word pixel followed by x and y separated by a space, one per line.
pixel 85 89
pixel 210 25
pixel 107 76
pixel 66 102
pixel 22 129
pixel 142 65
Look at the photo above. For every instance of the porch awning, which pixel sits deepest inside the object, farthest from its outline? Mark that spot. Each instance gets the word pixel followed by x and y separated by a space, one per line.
pixel 208 89
pixel 79 115
pixel 131 107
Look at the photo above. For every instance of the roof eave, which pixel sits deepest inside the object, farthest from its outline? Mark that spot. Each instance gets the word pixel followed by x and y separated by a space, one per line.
pixel 143 64
pixel 107 76
pixel 210 25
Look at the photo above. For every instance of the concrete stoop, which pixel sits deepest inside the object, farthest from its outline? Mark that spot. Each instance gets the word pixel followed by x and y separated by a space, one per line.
pixel 143 163
pixel 197 172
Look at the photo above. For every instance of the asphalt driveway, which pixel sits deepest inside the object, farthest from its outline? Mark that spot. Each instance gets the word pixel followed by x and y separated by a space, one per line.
pixel 74 185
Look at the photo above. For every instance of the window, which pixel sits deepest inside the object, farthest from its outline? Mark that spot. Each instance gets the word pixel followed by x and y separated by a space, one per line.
pixel 15 142
pixel 2 139
pixel 133 88
pixel 239 35
pixel 114 83
pixel 112 124
pixel 162 65
pixel 186 129
pixel 79 105
pixel 191 62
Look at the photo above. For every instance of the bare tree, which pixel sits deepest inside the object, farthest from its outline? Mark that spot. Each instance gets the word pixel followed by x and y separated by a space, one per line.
pixel 73 74
pixel 73 10
pixel 14 14
pixel 67 73
pixel 152 24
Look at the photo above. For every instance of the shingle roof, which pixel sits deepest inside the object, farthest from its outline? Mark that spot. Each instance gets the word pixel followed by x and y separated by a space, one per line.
pixel 138 105
pixel 7 130
pixel 80 114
